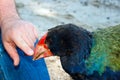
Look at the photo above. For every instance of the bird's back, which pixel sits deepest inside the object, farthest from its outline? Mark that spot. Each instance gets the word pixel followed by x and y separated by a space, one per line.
pixel 105 54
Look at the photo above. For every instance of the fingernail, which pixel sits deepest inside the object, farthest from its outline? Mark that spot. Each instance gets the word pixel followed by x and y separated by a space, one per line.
pixel 16 63
pixel 31 52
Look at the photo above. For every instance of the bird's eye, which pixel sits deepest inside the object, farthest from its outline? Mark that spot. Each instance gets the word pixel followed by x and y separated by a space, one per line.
pixel 49 40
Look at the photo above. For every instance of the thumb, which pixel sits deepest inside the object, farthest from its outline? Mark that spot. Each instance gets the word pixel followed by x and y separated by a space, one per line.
pixel 11 49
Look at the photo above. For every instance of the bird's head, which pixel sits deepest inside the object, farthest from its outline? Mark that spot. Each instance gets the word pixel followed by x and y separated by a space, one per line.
pixel 62 40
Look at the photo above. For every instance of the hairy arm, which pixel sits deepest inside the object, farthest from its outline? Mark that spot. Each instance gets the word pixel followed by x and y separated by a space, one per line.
pixel 7 11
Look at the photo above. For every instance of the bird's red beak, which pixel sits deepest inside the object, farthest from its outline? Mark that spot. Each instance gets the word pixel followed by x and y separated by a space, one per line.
pixel 42 49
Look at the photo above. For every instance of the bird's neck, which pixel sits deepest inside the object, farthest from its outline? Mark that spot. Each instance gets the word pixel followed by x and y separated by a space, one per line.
pixel 72 65
pixel 76 63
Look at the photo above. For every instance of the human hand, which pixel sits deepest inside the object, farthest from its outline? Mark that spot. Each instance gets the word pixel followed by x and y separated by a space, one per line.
pixel 18 33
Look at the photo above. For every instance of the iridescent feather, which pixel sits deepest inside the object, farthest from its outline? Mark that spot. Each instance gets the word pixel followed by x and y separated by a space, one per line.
pixel 105 51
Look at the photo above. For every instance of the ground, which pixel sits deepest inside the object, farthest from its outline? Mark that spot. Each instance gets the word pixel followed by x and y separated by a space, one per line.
pixel 89 14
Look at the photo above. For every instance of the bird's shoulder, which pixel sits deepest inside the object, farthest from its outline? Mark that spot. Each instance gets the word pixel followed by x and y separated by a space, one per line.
pixel 106 50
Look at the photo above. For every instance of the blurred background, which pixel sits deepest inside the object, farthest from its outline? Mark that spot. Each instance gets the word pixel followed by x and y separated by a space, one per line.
pixel 89 14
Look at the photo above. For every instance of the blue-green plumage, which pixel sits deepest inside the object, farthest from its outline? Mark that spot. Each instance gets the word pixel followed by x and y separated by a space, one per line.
pixel 105 53
pixel 85 55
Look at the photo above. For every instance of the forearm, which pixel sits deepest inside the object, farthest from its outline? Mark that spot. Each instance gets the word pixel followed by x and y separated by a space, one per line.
pixel 7 11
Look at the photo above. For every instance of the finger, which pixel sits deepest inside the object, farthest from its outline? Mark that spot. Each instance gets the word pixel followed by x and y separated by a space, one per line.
pixel 35 33
pixel 23 45
pixel 11 49
pixel 30 37
pixel 28 40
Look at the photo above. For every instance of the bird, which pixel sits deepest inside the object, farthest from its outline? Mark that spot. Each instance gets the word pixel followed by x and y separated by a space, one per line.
pixel 84 55
pixel 26 70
